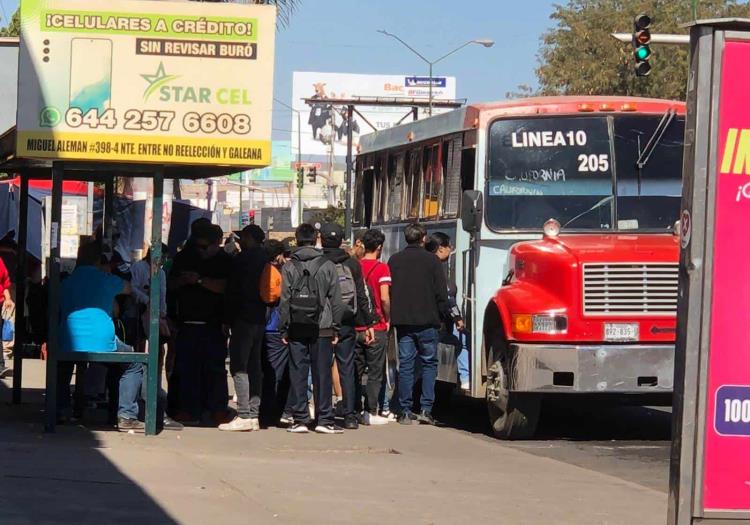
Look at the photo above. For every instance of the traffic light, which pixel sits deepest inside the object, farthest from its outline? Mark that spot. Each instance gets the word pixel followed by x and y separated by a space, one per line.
pixel 251 217
pixel 641 41
pixel 312 175
pixel 300 177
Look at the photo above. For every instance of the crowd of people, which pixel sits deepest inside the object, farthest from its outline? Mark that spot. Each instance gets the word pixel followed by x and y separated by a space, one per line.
pixel 306 323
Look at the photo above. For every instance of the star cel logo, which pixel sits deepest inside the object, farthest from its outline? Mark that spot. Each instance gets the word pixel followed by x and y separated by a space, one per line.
pixel 157 80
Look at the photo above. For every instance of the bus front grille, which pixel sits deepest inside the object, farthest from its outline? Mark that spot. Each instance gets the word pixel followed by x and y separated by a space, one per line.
pixel 627 289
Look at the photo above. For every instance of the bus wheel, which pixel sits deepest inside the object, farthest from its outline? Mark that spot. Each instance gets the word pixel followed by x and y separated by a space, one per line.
pixel 512 415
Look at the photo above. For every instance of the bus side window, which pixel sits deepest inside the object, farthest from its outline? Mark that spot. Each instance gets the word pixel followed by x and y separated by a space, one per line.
pixel 433 182
pixel 415 183
pixel 452 176
pixel 366 193
pixel 468 159
pixel 382 174
pixel 395 187
pixel 359 198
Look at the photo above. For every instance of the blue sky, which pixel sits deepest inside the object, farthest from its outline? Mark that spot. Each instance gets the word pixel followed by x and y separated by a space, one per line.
pixel 340 36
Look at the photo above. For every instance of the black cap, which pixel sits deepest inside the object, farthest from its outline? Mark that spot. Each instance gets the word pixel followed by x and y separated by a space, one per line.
pixel 254 231
pixel 331 233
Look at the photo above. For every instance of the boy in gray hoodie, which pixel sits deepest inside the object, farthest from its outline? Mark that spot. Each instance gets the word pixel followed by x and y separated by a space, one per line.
pixel 310 313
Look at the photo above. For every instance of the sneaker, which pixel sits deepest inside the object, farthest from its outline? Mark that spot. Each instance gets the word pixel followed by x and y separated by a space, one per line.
pixel 390 416
pixel 374 419
pixel 350 422
pixel 286 419
pixel 298 428
pixel 125 424
pixel 329 429
pixel 405 419
pixel 170 424
pixel 426 418
pixel 6 372
pixel 240 424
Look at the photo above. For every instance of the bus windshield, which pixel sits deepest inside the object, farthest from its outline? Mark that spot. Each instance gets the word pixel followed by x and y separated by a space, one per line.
pixel 570 169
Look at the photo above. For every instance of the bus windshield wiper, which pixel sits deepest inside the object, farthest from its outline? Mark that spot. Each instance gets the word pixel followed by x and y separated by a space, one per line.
pixel 656 137
pixel 598 205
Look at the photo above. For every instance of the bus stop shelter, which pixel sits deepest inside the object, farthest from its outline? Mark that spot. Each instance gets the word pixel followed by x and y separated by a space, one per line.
pixel 105 173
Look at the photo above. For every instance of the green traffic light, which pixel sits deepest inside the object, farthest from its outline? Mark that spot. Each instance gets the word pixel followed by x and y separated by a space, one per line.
pixel 642 53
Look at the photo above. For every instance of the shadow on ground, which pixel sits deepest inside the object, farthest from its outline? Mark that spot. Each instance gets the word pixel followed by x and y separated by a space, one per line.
pixel 63 477
pixel 571 420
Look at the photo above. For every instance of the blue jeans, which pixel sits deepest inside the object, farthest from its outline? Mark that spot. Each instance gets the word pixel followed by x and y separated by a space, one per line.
pixel 129 388
pixel 416 341
pixel 462 359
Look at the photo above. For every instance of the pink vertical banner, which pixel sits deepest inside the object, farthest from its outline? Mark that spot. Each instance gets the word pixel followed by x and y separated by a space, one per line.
pixel 726 481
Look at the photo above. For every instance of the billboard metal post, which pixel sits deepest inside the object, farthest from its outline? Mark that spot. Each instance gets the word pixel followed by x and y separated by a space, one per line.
pixel 711 427
pixel 349 162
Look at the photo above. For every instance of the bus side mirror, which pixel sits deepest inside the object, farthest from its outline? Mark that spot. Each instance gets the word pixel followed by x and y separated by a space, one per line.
pixel 471 211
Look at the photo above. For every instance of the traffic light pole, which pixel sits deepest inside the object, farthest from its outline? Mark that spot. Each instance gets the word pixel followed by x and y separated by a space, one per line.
pixel 299 166
pixel 666 39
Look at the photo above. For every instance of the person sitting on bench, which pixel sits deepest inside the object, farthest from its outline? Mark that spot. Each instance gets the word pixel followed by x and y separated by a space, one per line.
pixel 87 297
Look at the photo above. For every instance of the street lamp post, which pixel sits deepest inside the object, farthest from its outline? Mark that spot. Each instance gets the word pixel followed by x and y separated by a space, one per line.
pixel 480 41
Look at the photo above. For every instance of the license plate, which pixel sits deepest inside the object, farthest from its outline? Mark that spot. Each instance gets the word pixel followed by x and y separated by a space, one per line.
pixel 621 331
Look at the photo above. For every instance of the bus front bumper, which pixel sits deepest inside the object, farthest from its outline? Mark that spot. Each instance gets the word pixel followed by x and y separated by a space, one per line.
pixel 623 368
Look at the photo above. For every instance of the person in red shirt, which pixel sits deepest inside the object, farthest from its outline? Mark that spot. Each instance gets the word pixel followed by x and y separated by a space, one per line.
pixel 371 357
pixel 6 301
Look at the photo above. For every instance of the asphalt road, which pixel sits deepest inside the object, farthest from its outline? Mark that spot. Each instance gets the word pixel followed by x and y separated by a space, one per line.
pixel 628 442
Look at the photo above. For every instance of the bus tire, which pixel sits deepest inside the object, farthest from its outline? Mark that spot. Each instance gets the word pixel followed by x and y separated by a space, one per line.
pixel 513 415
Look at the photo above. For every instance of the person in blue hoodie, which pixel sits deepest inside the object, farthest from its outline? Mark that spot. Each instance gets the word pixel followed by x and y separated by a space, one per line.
pixel 278 399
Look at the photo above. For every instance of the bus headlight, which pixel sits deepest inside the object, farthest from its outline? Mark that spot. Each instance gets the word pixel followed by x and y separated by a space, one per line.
pixel 551 228
pixel 539 323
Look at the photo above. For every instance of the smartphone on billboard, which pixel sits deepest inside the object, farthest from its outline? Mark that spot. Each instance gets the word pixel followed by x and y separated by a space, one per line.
pixel 90 74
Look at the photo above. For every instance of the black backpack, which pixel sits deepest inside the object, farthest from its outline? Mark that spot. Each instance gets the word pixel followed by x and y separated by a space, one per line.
pixel 304 304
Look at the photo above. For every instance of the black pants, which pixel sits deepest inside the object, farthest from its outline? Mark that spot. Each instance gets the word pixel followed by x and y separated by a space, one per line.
pixel 200 375
pixel 245 348
pixel 371 359
pixel 344 352
pixel 318 353
pixel 277 398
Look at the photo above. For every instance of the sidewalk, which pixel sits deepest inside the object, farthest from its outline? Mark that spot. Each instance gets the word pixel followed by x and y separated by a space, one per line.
pixel 389 474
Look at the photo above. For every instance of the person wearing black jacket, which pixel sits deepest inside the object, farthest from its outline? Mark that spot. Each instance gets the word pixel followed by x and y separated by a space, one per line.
pixel 245 313
pixel 419 301
pixel 332 235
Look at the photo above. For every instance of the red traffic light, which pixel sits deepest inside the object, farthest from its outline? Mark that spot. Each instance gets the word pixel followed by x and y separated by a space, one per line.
pixel 643 37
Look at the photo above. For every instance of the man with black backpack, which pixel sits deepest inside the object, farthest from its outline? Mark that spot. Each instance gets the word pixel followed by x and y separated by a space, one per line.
pixel 355 310
pixel 310 319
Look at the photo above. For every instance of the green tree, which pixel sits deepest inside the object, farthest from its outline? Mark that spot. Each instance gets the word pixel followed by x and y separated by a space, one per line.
pixel 13 28
pixel 579 57
pixel 330 214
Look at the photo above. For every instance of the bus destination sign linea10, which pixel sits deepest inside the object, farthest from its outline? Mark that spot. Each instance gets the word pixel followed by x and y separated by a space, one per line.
pixel 727 428
pixel 161 82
